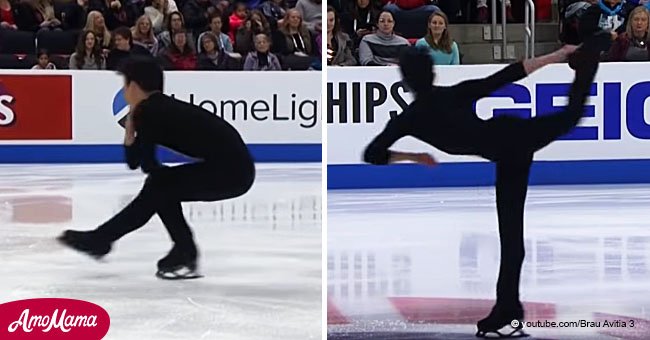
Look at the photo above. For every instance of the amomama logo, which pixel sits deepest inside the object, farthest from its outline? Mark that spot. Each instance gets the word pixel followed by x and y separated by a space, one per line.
pixel 120 107
pixel 53 319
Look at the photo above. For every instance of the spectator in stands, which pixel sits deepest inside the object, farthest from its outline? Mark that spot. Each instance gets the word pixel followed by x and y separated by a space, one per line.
pixel 43 61
pixel 116 12
pixel 383 47
pixel 255 24
pixel 311 13
pixel 95 23
pixel 236 19
pixel 441 46
pixel 339 45
pixel 484 13
pixel 294 42
pixel 37 15
pixel 223 40
pixel 608 15
pixel 143 35
pixel 123 48
pixel 8 14
pixel 71 13
pixel 262 59
pixel 175 23
pixel 87 55
pixel 360 20
pixel 212 58
pixel 158 11
pixel 180 55
pixel 274 11
pixel 196 14
pixel 632 45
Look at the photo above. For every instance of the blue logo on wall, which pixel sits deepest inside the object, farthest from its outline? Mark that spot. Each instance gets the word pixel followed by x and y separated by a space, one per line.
pixel 119 103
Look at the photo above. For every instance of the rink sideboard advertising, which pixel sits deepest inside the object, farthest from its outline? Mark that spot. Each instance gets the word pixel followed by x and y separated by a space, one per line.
pixel 76 116
pixel 611 144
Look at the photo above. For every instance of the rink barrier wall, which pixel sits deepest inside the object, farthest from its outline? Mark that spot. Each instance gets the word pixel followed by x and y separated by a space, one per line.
pixel 77 116
pixel 610 146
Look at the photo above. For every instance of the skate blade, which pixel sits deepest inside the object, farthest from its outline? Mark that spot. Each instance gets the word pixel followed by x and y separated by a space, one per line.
pixel 495 334
pixel 183 273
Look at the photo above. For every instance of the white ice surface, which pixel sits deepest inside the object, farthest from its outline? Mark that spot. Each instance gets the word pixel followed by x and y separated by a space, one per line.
pixel 261 254
pixel 588 251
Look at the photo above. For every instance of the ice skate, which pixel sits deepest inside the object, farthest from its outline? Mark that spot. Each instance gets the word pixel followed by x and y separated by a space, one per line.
pixel 86 242
pixel 502 322
pixel 179 264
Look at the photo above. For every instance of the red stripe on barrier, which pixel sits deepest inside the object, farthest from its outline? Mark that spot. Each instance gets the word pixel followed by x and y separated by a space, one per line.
pixel 334 316
pixel 461 311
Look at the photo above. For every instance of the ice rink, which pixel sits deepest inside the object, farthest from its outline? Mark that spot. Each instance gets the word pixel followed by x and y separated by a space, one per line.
pixel 422 263
pixel 260 254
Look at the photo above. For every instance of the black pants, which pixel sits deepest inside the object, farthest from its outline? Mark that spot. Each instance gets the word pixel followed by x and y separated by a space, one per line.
pixel 514 142
pixel 165 189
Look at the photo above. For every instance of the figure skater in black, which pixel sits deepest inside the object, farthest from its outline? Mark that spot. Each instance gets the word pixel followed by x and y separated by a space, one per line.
pixel 444 118
pixel 224 168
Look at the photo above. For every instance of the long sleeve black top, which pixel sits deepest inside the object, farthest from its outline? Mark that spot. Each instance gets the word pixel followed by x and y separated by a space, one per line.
pixel 183 128
pixel 444 117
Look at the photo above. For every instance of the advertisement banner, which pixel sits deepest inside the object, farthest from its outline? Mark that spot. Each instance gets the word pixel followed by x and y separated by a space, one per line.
pixel 615 125
pixel 74 116
pixel 610 145
pixel 35 107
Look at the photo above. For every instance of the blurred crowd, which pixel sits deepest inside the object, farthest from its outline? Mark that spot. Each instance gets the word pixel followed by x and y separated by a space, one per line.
pixel 254 35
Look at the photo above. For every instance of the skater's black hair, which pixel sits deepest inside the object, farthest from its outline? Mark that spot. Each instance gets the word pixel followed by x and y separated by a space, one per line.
pixel 144 71
pixel 417 68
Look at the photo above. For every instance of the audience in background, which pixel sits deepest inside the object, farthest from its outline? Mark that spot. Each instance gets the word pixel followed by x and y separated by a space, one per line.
pixel 360 20
pixel 236 19
pixel 310 11
pixel 294 42
pixel 632 45
pixel 123 48
pixel 197 14
pixel 175 23
pixel 339 45
pixel 116 13
pixel 37 15
pixel 116 29
pixel 43 61
pixel 8 14
pixel 262 59
pixel 87 55
pixel 95 23
pixel 609 15
pixel 383 47
pixel 158 11
pixel 179 55
pixel 274 11
pixel 143 35
pixel 441 46
pixel 213 58
pixel 71 13
pixel 255 24
pixel 223 40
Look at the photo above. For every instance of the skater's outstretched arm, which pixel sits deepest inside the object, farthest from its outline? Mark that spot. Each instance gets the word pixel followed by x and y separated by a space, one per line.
pixel 479 88
pixel 377 151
